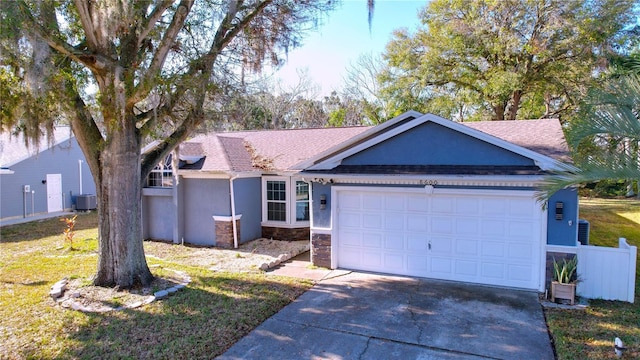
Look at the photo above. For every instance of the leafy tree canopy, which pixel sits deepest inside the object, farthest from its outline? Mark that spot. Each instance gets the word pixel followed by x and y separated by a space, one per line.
pixel 158 69
pixel 497 59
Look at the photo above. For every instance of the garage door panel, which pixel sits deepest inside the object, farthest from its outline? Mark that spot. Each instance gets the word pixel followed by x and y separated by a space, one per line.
pixel 418 265
pixel 493 249
pixel 519 251
pixel 350 201
pixel 494 207
pixel 442 225
pixel 371 202
pixel 394 222
pixel 371 260
pixel 520 230
pixel 467 206
pixel 521 208
pixel 394 202
pixel 442 205
pixel 372 240
pixel 441 245
pixel 417 223
pixel 350 238
pixel 394 241
pixel 492 228
pixel 493 270
pixel 395 262
pixel 520 273
pixel 417 204
pixel 474 237
pixel 441 267
pixel 465 269
pixel 372 221
pixel 466 247
pixel 350 256
pixel 349 220
pixel 417 243
pixel 467 226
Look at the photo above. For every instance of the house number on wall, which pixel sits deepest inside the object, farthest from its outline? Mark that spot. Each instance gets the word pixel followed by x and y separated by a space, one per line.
pixel 428 182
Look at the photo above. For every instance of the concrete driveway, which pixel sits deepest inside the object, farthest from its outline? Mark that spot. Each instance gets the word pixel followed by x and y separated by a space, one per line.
pixel 370 316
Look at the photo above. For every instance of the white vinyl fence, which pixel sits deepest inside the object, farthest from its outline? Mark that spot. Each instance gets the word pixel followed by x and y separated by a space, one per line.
pixel 607 273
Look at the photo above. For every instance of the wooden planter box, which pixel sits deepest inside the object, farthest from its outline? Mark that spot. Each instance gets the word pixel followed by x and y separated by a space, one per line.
pixel 563 291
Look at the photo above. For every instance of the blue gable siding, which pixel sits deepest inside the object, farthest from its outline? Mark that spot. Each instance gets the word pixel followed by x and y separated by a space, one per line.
pixel 565 231
pixel 248 203
pixel 434 144
pixel 61 159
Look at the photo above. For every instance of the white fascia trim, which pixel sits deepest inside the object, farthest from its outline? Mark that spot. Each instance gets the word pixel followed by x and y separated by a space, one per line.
pixel 188 174
pixel 226 217
pixel 6 172
pixel 544 162
pixel 435 180
pixel 562 249
pixel 310 163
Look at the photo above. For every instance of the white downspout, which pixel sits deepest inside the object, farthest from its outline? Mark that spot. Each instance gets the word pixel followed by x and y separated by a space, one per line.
pixel 233 212
pixel 80 174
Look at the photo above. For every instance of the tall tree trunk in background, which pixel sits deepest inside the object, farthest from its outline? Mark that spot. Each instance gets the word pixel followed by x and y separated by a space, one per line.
pixel 515 105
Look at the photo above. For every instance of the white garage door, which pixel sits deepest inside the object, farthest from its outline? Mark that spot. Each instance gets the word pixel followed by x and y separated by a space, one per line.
pixel 479 236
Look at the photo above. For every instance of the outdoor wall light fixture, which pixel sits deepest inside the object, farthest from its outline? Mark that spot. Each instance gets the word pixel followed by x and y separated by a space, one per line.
pixel 323 202
pixel 559 210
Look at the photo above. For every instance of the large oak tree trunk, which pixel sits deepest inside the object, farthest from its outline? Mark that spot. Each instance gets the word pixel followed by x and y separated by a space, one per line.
pixel 121 261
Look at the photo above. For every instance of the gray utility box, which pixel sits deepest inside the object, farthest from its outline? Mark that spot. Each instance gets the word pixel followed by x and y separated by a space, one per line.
pixel 86 202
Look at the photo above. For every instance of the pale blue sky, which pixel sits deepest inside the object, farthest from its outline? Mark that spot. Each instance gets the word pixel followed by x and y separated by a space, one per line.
pixel 344 35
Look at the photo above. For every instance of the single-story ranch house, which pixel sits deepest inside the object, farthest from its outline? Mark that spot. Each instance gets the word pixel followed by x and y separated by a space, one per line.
pixel 417 195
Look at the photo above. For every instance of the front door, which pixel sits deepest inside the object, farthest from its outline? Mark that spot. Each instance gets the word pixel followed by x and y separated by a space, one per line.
pixel 54 192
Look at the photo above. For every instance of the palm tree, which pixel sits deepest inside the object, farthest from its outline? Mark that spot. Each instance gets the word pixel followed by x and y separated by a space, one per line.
pixel 609 123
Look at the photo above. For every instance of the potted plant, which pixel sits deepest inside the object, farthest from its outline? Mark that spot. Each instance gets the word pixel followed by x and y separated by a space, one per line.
pixel 564 281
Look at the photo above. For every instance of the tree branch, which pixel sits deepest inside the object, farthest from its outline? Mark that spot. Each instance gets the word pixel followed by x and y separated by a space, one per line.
pixel 94 62
pixel 152 19
pixel 148 80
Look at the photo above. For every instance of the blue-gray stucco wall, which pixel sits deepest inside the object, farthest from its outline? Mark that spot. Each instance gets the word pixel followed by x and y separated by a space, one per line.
pixel 434 144
pixel 248 200
pixel 202 199
pixel 565 231
pixel 321 218
pixel 61 159
pixel 159 214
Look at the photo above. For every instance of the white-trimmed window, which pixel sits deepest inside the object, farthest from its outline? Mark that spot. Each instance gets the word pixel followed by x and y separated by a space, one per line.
pixel 285 201
pixel 161 175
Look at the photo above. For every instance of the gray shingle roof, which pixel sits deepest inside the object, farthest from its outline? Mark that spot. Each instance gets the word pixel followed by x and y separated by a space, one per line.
pixel 279 150
pixel 13 149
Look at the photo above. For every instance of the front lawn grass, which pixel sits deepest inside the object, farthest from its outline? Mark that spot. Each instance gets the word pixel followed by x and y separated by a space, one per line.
pixel 199 322
pixel 589 334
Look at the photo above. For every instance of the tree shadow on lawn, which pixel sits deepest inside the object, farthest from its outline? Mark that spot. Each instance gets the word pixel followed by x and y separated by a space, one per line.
pixel 201 321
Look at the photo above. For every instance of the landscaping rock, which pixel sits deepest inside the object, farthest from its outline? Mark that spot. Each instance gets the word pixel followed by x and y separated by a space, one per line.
pixel 161 294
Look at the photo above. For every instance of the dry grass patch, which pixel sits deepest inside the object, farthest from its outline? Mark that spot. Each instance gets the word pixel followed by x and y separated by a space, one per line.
pixel 589 334
pixel 201 321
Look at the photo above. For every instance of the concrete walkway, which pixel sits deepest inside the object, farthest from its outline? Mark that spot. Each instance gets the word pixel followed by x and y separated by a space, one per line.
pixel 36 217
pixel 300 267
pixel 373 316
